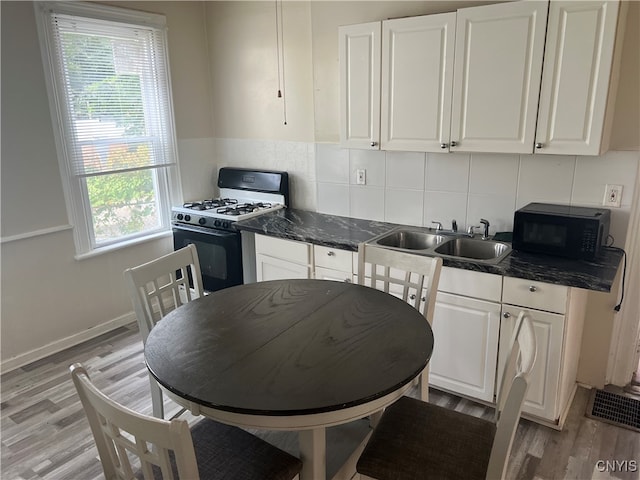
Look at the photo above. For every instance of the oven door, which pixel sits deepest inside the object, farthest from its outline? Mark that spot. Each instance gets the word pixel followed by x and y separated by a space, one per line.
pixel 219 253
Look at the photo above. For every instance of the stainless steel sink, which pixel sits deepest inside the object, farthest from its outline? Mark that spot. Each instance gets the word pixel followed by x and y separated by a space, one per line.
pixel 410 240
pixel 474 249
pixel 436 243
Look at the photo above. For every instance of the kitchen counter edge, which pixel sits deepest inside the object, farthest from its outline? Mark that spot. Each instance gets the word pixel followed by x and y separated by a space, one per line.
pixel 346 233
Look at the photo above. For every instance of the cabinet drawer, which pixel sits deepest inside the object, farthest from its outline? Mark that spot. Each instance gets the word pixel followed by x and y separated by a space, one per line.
pixel 471 284
pixel 331 274
pixel 538 295
pixel 333 258
pixel 289 250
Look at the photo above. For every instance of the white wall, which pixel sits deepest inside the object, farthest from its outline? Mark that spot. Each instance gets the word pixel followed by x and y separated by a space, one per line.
pixel 49 299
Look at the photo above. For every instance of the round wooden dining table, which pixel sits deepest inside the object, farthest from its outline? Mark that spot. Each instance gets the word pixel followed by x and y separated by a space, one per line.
pixel 290 355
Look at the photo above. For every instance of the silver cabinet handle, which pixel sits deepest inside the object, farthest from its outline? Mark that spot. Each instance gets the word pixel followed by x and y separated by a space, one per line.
pixel 443 146
pixel 331 254
pixel 454 144
pixel 412 296
pixel 539 145
pixel 347 280
pixel 533 288
pixel 373 144
pixel 506 315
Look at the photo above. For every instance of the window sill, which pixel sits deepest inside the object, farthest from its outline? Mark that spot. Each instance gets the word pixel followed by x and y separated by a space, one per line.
pixel 124 244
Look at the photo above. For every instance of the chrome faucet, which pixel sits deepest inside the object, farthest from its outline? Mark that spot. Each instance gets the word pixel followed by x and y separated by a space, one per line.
pixel 454 225
pixel 484 222
pixel 470 229
pixel 438 225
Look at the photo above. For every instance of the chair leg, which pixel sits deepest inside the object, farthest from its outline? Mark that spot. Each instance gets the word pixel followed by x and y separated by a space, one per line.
pixel 156 398
pixel 424 385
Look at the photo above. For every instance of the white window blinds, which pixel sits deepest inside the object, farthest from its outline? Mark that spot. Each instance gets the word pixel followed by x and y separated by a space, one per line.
pixel 115 104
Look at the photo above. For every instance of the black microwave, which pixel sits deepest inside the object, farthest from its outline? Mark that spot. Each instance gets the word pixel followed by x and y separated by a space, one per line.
pixel 562 230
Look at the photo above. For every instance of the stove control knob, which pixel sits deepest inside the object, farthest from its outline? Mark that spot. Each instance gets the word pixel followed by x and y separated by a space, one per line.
pixel 226 224
pixel 216 223
pixel 179 216
pixel 202 221
pixel 187 217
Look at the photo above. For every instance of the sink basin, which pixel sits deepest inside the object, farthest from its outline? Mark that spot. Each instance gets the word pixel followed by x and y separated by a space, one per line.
pixel 410 240
pixel 474 249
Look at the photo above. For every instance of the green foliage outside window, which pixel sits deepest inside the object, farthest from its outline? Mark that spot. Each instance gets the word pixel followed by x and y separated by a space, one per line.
pixel 123 203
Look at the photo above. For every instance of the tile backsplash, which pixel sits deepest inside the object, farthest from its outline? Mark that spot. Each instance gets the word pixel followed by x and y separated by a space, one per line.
pixel 419 188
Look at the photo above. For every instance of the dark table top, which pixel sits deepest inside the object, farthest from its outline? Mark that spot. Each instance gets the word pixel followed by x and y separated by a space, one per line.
pixel 289 347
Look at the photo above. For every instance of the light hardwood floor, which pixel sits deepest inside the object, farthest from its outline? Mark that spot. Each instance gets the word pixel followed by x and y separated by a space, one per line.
pixel 45 434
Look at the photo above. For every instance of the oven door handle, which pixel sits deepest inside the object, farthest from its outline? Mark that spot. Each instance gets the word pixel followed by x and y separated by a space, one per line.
pixel 204 230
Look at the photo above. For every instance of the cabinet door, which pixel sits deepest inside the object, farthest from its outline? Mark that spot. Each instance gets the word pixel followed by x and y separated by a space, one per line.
pixel 466 345
pixel 359 52
pixel 272 268
pixel 541 399
pixel 417 77
pixel 575 78
pixel 498 63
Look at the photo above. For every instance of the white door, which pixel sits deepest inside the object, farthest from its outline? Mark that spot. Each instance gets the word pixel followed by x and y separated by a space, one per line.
pixel 542 396
pixel 465 352
pixel 417 77
pixel 359 53
pixel 575 78
pixel 272 268
pixel 498 63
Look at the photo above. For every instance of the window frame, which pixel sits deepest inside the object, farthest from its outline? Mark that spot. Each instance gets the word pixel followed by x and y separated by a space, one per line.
pixel 166 179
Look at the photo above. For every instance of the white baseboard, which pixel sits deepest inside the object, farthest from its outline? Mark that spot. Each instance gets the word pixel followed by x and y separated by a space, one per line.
pixel 59 345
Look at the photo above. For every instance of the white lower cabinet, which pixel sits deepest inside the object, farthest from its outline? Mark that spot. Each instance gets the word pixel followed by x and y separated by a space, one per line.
pixel 465 349
pixel 542 396
pixel 279 259
pixel 332 264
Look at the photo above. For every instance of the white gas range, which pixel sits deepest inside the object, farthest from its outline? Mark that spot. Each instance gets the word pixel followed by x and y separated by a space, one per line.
pixel 208 223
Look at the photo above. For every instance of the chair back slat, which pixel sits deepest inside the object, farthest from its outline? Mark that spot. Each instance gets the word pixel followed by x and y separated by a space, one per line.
pixel 161 285
pixel 122 435
pixel 511 394
pixel 410 274
pixel 413 278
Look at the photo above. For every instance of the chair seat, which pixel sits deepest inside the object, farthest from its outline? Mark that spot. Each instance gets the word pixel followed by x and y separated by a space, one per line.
pixel 415 439
pixel 225 452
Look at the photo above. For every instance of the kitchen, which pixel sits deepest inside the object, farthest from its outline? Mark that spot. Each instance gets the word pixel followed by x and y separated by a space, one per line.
pixel 224 79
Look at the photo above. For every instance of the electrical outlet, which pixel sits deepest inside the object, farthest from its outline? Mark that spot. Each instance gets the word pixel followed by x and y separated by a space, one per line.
pixel 361 176
pixel 612 196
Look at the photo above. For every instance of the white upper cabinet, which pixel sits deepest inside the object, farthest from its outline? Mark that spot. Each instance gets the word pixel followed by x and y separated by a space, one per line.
pixel 498 63
pixel 417 76
pixel 579 77
pixel 360 85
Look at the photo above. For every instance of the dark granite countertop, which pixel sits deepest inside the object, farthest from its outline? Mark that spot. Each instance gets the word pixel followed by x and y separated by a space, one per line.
pixel 346 233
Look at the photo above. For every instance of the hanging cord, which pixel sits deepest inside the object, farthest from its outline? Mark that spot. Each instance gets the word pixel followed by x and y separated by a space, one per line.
pixel 624 270
pixel 278 48
pixel 280 53
pixel 284 87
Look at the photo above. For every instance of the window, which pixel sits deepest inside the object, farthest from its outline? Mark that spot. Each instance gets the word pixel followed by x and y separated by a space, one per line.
pixel 111 103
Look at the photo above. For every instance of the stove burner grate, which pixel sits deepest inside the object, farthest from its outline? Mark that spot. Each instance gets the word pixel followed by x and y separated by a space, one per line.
pixel 210 203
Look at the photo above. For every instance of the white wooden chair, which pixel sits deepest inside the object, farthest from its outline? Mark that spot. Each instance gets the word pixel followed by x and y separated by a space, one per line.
pixel 414 278
pixel 414 438
pixel 156 288
pixel 132 445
